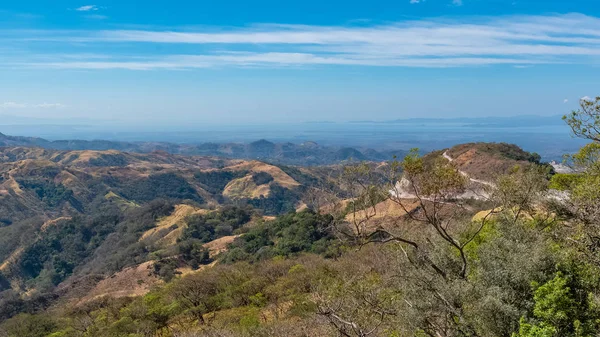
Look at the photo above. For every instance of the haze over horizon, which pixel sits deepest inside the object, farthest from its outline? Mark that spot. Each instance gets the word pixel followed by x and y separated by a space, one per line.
pixel 183 63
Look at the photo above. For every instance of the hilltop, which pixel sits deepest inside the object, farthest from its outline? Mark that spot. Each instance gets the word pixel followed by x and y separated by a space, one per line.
pixel 489 160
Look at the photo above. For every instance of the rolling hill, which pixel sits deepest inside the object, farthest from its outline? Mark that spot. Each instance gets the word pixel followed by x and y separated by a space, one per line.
pixel 80 225
pixel 306 154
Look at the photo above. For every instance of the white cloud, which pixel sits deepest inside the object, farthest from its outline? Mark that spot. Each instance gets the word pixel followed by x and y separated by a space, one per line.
pixel 457 2
pixel 15 105
pixel 87 8
pixel 416 1
pixel 565 100
pixel 518 41
pixel 49 105
pixel 274 60
pixel 12 105
pixel 586 98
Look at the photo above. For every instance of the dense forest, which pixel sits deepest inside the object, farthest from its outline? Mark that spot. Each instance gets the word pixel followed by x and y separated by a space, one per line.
pixel 476 240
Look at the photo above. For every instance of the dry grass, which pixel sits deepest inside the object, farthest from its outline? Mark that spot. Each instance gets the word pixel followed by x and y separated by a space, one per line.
pixel 176 218
pixel 219 245
pixel 301 206
pixel 335 207
pixel 483 161
pixel 83 157
pixel 245 188
pixel 384 209
pixel 129 282
pixel 11 259
pixel 278 175
pixel 53 222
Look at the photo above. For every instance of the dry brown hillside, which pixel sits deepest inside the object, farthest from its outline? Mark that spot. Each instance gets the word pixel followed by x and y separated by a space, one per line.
pixel 84 209
pixel 488 160
pixel 53 183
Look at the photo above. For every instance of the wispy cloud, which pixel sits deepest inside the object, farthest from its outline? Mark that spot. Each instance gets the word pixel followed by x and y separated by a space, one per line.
pixel 87 8
pixel 515 40
pixel 15 105
pixel 96 17
pixel 566 100
pixel 416 1
pixel 457 2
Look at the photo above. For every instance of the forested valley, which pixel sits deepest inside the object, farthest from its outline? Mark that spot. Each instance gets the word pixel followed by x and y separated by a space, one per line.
pixel 481 239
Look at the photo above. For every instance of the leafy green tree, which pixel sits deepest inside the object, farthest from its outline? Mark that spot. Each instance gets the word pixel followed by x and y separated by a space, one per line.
pixel 208 227
pixel 29 325
pixel 584 186
pixel 193 252
pixel 197 294
pixel 558 312
pixel 261 178
pixel 288 235
pixel 585 122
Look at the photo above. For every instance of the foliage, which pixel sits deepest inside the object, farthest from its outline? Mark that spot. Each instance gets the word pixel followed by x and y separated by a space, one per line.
pixel 165 185
pixel 261 178
pixel 65 245
pixel 564 181
pixel 510 151
pixel 299 176
pixel 208 227
pixel 30 326
pixel 105 159
pixel 561 310
pixel 215 181
pixel 289 235
pixel 279 201
pixel 585 122
pixel 50 193
pixel 437 179
pixel 193 253
pixel 518 263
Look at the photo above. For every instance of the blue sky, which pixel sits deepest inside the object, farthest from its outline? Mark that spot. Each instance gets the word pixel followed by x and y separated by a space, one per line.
pixel 159 63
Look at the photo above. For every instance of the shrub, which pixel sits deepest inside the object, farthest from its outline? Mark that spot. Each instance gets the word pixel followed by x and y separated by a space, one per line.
pixel 261 178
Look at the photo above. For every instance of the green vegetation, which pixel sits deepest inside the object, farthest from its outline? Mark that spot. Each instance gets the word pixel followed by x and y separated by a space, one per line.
pixel 215 181
pixel 201 228
pixel 518 262
pixel 287 236
pixel 565 181
pixel 261 178
pixel 510 151
pixel 55 255
pixel 279 201
pixel 211 226
pixel 50 193
pixel 119 160
pixel 166 185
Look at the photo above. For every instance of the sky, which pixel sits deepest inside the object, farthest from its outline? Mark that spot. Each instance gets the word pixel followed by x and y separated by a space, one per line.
pixel 158 63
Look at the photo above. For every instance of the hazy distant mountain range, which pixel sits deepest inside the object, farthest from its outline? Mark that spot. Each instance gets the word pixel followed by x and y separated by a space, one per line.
pixel 306 153
pixel 511 121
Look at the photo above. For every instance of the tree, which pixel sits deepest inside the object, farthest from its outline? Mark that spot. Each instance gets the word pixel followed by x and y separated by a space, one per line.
pixel 584 187
pixel 431 234
pixel 197 293
pixel 29 325
pixel 558 311
pixel 585 122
